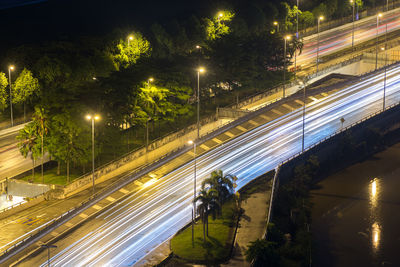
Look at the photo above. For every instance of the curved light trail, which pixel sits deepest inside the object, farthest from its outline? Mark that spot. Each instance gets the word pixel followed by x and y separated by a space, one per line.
pixel 125 232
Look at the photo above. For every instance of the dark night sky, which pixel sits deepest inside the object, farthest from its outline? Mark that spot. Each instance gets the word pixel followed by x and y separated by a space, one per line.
pixel 52 20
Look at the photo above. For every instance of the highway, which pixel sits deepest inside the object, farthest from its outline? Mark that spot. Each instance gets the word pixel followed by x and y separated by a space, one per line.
pixel 12 163
pixel 340 38
pixel 124 233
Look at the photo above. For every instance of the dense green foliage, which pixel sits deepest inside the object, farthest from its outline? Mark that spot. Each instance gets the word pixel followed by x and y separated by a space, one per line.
pixel 109 75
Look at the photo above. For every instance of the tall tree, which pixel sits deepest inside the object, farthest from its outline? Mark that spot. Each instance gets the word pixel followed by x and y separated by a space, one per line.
pixel 208 198
pixel 40 118
pixel 28 143
pixel 222 184
pixel 24 88
pixel 3 91
pixel 68 141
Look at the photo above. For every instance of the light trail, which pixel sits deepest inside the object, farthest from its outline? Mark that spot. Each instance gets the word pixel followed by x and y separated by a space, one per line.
pixel 124 233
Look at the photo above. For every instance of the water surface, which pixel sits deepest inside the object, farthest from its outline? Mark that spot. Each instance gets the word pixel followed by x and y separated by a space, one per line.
pixel 356 214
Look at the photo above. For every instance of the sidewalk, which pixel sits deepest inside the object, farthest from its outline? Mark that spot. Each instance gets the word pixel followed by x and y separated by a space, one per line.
pixel 252 224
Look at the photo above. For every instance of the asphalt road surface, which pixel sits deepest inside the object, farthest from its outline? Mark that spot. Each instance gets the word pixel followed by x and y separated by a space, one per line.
pixel 124 233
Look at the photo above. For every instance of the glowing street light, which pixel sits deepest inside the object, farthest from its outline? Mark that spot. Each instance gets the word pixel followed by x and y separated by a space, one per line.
pixel 10 68
pixel 277 26
pixel 199 70
pixel 376 42
pixel 320 18
pixel 92 118
pixel 190 142
pixel 150 80
pixel 130 38
pixel 286 38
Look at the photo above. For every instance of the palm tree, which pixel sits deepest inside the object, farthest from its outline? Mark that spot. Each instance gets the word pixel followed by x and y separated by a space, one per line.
pixel 28 143
pixel 209 202
pixel 40 118
pixel 222 184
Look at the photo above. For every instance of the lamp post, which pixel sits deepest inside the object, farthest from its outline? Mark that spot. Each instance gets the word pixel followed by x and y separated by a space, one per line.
pixel 376 42
pixel 199 70
pixel 93 118
pixel 150 80
pixel 320 18
pixel 277 26
pixel 130 38
pixel 48 252
pixel 384 79
pixel 194 189
pixel 220 15
pixel 297 20
pixel 286 38
pixel 10 68
pixel 303 83
pixel 352 34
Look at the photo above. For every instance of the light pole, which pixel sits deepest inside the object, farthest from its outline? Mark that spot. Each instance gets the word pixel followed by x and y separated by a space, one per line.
pixel 352 34
pixel 130 38
pixel 220 15
pixel 199 70
pixel 93 118
pixel 320 18
pixel 384 80
pixel 277 26
pixel 286 38
pixel 304 113
pixel 194 189
pixel 376 42
pixel 10 68
pixel 48 252
pixel 149 118
pixel 297 37
pixel 297 21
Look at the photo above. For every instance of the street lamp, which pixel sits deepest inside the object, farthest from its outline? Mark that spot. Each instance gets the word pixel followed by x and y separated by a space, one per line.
pixel 376 52
pixel 297 20
pixel 190 142
pixel 286 38
pixel 130 38
pixel 220 15
pixel 384 80
pixel 352 35
pixel 277 26
pixel 10 68
pixel 297 37
pixel 303 83
pixel 320 18
pixel 92 118
pixel 150 80
pixel 48 251
pixel 199 70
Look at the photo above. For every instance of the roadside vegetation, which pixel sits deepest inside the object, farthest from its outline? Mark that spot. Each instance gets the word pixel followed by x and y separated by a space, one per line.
pixel 214 232
pixel 145 81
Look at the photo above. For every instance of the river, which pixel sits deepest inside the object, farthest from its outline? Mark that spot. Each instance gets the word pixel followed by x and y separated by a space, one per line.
pixel 356 214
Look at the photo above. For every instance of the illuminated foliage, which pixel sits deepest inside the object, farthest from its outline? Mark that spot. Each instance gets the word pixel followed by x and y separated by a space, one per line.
pixel 24 87
pixel 128 52
pixel 218 25
pixel 3 91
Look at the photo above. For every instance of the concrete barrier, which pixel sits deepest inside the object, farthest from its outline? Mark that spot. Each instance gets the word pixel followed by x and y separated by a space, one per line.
pixel 15 209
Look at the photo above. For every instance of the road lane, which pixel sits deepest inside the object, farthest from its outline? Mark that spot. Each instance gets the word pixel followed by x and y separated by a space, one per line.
pixel 123 233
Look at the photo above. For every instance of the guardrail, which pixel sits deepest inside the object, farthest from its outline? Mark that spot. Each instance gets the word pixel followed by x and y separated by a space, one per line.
pixel 118 184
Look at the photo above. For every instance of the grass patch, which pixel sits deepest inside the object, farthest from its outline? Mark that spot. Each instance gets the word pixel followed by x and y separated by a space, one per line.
pixel 217 245
pixel 50 177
